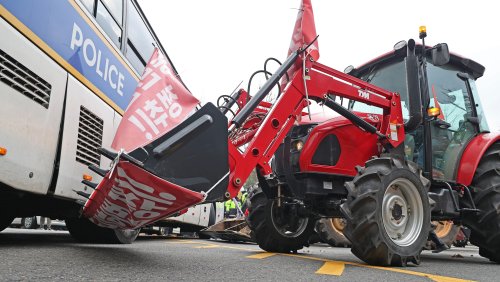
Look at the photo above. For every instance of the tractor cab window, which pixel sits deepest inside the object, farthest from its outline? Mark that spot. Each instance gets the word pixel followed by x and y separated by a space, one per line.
pixel 452 129
pixel 483 124
pixel 391 77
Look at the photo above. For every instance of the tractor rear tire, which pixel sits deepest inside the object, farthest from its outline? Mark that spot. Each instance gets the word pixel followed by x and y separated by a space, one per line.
pixel 387 212
pixel 269 234
pixel 331 231
pixel 84 231
pixel 485 226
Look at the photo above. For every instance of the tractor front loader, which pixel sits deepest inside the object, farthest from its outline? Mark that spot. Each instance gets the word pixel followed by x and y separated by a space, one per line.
pixel 389 162
pixel 203 156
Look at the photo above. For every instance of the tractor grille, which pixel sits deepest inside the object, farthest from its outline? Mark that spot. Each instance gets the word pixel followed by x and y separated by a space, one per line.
pixel 22 79
pixel 89 138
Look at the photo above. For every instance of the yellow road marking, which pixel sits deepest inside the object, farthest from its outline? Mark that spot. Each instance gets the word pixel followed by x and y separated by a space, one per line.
pixel 433 277
pixel 208 246
pixel 261 255
pixel 179 241
pixel 332 268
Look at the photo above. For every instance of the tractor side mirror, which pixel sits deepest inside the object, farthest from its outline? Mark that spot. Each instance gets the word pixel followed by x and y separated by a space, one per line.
pixel 440 54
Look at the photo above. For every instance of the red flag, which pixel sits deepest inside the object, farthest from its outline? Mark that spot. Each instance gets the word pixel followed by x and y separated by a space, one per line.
pixel 160 102
pixel 304 32
pixel 129 197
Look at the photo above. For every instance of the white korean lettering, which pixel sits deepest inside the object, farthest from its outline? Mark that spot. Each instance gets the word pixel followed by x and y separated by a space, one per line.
pixel 150 205
pixel 119 195
pixel 146 214
pixel 148 121
pixel 150 106
pixel 131 184
pixel 153 79
pixel 168 99
pixel 115 209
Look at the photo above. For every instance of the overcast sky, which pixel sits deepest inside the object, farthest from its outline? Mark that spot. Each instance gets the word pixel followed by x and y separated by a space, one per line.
pixel 216 44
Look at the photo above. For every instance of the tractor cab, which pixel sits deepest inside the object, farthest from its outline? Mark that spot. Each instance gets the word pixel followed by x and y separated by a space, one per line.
pixel 445 104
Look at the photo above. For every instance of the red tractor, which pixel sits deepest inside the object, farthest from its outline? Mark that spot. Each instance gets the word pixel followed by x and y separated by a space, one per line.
pixel 389 163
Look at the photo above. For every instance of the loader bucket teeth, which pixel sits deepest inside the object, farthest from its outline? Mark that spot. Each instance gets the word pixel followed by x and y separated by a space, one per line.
pixel 112 156
pixel 98 170
pixel 90 184
pixel 83 194
pixel 107 153
pixel 193 155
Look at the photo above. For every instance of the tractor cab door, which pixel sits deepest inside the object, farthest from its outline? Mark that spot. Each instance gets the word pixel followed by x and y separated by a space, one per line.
pixel 455 126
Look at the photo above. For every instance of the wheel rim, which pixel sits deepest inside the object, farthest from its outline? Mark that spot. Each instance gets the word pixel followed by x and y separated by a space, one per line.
pixel 128 233
pixel 338 224
pixel 287 228
pixel 28 221
pixel 402 212
pixel 443 228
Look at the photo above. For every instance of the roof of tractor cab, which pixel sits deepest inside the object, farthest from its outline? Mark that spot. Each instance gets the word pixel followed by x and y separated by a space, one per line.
pixel 472 67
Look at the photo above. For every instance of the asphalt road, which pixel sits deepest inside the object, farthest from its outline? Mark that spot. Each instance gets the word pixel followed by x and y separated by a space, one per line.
pixel 53 255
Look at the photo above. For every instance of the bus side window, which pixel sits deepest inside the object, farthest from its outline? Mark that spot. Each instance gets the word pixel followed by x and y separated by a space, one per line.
pixel 109 15
pixel 115 7
pixel 89 4
pixel 109 23
pixel 140 41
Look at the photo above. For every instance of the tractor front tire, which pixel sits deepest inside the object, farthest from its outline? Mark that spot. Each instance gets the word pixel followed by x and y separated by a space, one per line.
pixel 275 235
pixel 331 231
pixel 84 231
pixel 387 212
pixel 485 226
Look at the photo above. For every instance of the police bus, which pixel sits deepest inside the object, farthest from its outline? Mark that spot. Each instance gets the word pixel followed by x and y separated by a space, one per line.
pixel 68 69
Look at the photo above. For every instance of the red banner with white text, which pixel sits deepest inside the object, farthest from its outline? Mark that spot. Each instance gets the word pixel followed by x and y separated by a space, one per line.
pixel 129 197
pixel 159 103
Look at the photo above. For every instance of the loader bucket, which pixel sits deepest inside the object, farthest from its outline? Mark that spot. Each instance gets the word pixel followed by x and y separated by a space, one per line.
pixel 184 167
pixel 233 230
pixel 193 155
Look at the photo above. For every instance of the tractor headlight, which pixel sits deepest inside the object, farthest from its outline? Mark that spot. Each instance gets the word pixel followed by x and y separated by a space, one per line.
pixel 297 145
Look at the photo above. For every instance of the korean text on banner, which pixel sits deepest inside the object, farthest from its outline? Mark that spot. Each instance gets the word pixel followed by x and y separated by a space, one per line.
pixel 160 102
pixel 129 197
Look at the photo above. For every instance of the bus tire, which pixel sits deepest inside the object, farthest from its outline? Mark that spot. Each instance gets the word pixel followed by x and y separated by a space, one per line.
pixel 5 221
pixel 84 231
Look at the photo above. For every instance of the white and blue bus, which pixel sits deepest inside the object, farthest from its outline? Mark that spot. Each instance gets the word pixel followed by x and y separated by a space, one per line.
pixel 68 69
